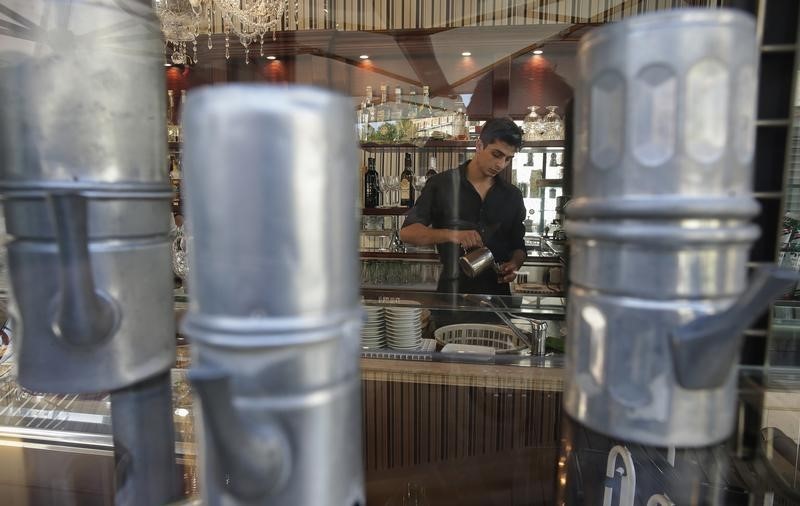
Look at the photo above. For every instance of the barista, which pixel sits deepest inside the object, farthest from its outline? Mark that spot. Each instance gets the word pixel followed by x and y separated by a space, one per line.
pixel 471 206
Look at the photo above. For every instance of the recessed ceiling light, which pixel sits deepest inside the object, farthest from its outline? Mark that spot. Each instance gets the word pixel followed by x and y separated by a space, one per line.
pixel 270 57
pixel 538 51
pixel 364 56
pixel 167 64
pixel 466 53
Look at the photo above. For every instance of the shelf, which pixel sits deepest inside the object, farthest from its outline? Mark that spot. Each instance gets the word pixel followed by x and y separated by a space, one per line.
pixel 549 182
pixel 385 211
pixel 393 255
pixel 442 144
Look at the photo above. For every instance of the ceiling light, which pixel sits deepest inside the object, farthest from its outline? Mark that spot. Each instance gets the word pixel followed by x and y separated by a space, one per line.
pixel 538 51
pixel 364 56
pixel 466 53
pixel 167 64
pixel 270 57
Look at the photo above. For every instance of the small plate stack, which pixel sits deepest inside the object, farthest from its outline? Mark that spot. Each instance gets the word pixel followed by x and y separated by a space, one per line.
pixel 373 335
pixel 404 327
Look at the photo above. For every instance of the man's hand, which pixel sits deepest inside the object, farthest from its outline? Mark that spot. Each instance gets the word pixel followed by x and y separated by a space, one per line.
pixel 508 272
pixel 467 239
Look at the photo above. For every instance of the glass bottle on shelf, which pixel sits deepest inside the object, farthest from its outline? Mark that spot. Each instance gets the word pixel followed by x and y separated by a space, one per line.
pixel 178 125
pixel 460 125
pixel 372 191
pixel 425 110
pixel 398 109
pixel 382 112
pixel 431 167
pixel 411 111
pixel 407 182
pixel 405 128
pixel 171 131
pixel 367 116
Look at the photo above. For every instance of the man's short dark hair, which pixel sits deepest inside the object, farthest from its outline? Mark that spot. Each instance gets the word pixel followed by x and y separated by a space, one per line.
pixel 502 129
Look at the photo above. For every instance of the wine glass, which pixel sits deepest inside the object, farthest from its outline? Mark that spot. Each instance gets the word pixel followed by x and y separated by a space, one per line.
pixel 555 127
pixel 419 183
pixel 383 186
pixel 529 124
pixel 393 185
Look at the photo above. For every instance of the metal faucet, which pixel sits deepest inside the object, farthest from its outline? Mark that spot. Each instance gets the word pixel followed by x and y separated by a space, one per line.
pixel 486 300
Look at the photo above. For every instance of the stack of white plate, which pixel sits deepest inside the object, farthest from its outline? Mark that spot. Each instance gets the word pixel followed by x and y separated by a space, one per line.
pixel 373 335
pixel 403 327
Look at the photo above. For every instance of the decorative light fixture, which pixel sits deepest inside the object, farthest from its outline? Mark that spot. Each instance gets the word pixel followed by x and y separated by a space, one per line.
pixel 180 23
pixel 250 20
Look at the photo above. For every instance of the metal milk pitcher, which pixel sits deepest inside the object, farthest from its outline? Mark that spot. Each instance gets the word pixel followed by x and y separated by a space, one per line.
pixel 660 226
pixel 476 261
pixel 87 202
pixel 275 316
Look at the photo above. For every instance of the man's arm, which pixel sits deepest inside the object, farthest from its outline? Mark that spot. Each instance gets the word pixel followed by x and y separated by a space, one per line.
pixel 422 235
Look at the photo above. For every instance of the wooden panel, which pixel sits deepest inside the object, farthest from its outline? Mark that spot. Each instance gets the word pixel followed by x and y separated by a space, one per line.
pixel 410 423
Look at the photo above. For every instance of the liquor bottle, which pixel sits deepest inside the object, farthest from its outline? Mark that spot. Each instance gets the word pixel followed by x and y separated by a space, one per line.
pixel 175 179
pixel 431 167
pixel 366 116
pixel 372 191
pixel 425 110
pixel 171 131
pixel 178 122
pixel 398 109
pixel 369 109
pixel 383 113
pixel 412 104
pixel 407 182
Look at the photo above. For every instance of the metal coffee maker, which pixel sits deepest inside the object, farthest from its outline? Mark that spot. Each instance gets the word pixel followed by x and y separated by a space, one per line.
pixel 660 227
pixel 87 203
pixel 275 317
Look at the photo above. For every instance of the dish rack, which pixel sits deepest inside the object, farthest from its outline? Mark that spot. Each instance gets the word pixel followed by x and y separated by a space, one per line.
pixel 499 337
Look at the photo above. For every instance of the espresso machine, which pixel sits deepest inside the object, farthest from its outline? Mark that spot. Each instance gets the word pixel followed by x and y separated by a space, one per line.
pixel 87 203
pixel 660 226
pixel 275 317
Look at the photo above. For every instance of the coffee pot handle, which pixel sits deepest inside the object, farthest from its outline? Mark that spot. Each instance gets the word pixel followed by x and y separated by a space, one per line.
pixel 705 349
pixel 84 315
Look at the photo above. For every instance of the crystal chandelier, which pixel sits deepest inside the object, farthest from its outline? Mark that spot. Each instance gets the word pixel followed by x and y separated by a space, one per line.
pixel 250 20
pixel 180 23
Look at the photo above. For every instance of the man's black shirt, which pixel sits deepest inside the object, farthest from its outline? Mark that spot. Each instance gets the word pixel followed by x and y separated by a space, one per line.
pixel 450 201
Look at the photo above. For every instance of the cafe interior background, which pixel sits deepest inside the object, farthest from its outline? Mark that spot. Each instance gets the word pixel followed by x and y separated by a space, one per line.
pixel 439 426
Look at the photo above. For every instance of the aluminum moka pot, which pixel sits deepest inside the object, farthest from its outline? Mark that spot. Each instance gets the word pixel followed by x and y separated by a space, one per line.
pixel 659 225
pixel 275 316
pixel 87 203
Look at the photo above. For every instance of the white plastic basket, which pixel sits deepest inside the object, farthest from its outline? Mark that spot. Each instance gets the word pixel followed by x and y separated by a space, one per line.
pixel 499 337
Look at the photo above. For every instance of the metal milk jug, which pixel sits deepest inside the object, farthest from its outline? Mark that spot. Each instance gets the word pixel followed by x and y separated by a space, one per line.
pixel 660 226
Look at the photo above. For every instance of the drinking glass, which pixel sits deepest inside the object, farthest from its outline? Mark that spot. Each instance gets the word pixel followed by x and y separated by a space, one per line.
pixel 555 127
pixel 529 124
pixel 383 186
pixel 419 183
pixel 393 185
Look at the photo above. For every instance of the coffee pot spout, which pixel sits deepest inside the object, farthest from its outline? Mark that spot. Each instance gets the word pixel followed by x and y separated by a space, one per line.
pixel 705 349
pixel 256 457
